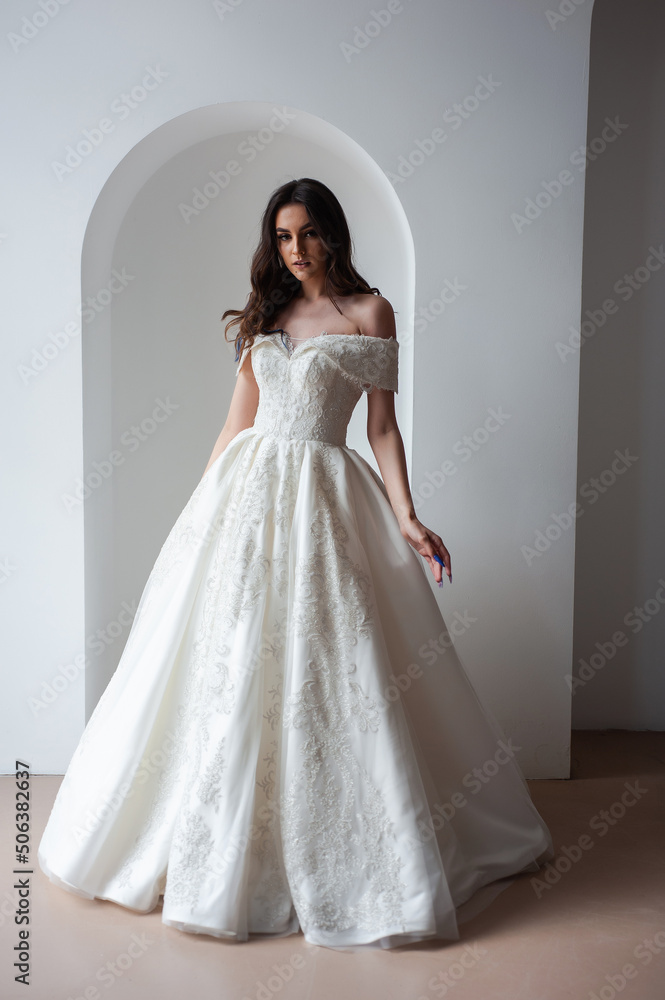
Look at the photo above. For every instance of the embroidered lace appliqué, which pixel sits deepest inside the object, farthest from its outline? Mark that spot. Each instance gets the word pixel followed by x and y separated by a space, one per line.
pixel 312 393
pixel 339 849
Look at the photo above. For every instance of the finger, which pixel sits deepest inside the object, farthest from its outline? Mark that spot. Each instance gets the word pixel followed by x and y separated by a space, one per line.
pixel 440 549
pixel 437 562
pixel 447 564
pixel 438 554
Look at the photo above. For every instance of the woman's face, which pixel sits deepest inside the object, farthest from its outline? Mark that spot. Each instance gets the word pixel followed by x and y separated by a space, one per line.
pixel 297 241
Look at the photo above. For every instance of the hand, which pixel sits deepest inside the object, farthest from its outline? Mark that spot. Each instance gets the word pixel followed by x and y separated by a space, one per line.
pixel 429 545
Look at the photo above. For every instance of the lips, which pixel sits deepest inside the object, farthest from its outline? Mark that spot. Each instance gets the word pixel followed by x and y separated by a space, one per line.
pixel 300 263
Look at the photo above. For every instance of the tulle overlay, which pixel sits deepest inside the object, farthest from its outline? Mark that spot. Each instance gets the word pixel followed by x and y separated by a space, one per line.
pixel 289 740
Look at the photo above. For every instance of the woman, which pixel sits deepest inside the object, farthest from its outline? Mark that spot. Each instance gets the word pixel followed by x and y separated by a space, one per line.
pixel 289 740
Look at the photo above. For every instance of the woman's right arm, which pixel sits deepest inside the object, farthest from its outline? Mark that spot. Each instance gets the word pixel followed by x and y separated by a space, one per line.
pixel 244 403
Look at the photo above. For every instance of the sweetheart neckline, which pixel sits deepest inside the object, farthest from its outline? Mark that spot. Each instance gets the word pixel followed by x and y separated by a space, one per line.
pixel 324 333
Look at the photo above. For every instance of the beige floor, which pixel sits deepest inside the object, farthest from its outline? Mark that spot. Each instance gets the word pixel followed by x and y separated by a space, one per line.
pixel 596 933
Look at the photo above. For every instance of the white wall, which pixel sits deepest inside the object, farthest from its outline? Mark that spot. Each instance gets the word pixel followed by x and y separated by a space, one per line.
pixel 620 558
pixel 492 347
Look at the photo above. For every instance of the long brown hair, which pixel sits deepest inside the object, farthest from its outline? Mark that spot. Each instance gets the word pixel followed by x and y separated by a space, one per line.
pixel 273 286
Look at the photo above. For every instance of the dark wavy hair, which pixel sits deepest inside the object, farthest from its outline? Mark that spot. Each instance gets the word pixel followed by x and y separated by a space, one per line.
pixel 273 285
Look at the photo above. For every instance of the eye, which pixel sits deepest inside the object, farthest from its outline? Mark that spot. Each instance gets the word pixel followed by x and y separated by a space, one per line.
pixel 286 236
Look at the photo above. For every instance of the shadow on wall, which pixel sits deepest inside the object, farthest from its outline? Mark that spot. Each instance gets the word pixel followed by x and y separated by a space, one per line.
pixel 167 250
pixel 620 544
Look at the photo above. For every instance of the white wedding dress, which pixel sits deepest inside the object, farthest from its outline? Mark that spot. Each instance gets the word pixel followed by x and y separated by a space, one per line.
pixel 289 740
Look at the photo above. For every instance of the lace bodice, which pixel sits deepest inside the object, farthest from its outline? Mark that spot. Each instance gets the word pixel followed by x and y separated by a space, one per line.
pixel 310 393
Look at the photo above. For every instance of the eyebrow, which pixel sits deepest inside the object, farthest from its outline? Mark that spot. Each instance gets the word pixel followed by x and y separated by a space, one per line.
pixel 280 229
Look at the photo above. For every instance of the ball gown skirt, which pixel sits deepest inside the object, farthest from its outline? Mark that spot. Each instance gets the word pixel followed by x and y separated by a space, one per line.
pixel 289 740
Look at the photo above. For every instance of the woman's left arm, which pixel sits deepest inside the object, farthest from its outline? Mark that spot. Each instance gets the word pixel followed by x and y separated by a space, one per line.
pixel 387 445
pixel 386 442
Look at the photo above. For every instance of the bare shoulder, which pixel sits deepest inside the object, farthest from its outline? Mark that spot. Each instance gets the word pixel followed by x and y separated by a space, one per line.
pixel 376 317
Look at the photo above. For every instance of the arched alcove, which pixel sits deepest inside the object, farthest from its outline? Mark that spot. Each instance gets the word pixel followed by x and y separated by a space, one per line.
pixel 166 251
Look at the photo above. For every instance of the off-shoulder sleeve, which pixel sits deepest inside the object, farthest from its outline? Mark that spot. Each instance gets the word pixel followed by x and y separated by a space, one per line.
pixel 245 351
pixel 376 366
pixel 387 375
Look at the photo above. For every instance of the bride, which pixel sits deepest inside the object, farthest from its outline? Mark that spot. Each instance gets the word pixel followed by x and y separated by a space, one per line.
pixel 290 741
pixel 333 297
